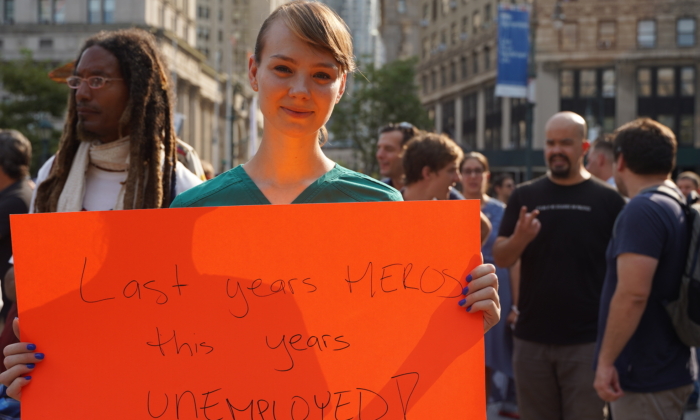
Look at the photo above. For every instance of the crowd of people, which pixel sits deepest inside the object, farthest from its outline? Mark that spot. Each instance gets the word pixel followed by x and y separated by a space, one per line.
pixel 586 256
pixel 577 263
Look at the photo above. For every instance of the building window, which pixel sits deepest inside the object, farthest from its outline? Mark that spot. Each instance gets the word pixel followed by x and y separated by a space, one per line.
pixel 566 84
pixel 568 36
pixel 469 121
pixel 453 33
pixel 492 126
pixel 609 83
pixel 607 33
pixel 476 22
pixel 425 84
pixel 487 59
pixel 590 93
pixel 587 86
pixel 453 72
pixel 487 14
pixel 101 11
pixel 9 11
pixel 646 33
pixel 686 130
pixel 108 11
pixel 44 11
pixel 463 65
pixel 687 81
pixel 45 44
pixel 665 83
pixel 426 12
pixel 667 94
pixel 435 10
pixel 59 11
pixel 401 7
pixel 445 7
pixel 433 80
pixel 465 27
pixel 685 29
pixel 644 83
pixel 475 63
pixel 426 47
pixel 443 76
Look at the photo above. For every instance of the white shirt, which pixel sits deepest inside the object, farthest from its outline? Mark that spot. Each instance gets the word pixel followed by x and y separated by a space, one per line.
pixel 102 187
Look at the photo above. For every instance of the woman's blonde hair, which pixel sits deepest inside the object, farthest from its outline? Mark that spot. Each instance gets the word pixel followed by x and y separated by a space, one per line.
pixel 316 24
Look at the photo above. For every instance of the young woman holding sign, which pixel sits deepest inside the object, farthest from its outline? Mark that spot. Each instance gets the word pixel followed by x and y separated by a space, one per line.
pixel 303 55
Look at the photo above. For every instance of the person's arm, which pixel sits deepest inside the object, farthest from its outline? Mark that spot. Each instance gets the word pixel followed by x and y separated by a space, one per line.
pixel 514 273
pixel 507 250
pixel 486 228
pixel 635 273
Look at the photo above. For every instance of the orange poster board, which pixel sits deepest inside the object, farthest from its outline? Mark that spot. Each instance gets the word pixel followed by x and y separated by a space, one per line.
pixel 320 311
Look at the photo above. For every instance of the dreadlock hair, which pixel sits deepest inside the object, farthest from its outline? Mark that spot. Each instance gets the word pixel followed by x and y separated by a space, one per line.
pixel 148 116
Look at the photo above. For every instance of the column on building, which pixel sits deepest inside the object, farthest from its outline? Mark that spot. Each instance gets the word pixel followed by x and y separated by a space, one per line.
pixel 459 120
pixel 438 117
pixel 505 124
pixel 626 106
pixel 480 119
pixel 547 101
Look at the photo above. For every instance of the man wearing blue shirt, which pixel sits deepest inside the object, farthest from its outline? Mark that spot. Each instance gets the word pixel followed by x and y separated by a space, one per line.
pixel 643 368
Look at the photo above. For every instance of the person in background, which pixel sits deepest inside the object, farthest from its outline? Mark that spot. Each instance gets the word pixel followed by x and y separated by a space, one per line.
pixel 118 148
pixel 600 159
pixel 208 170
pixel 189 158
pixel 15 196
pixel 503 186
pixel 559 226
pixel 499 341
pixel 390 149
pixel 688 182
pixel 431 167
pixel 643 368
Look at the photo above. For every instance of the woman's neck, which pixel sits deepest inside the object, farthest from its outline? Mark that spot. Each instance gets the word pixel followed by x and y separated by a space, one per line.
pixel 284 162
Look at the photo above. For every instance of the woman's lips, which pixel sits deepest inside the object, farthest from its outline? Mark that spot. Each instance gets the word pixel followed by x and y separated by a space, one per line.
pixel 297 113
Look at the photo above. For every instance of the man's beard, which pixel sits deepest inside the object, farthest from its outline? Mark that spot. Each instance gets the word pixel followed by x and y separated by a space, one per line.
pixel 86 135
pixel 560 173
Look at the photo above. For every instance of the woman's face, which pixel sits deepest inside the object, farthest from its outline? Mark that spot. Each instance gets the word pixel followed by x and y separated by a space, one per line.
pixel 473 177
pixel 298 85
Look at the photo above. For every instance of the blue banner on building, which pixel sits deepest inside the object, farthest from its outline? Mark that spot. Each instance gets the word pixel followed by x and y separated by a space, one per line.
pixel 513 51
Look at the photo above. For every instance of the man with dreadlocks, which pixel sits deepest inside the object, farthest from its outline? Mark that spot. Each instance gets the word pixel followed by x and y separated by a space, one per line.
pixel 118 149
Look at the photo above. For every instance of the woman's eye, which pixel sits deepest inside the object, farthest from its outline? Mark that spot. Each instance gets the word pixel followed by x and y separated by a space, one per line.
pixel 283 69
pixel 322 75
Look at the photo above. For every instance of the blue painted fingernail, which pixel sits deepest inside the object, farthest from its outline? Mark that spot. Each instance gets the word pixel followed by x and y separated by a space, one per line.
pixel 29 378
pixel 30 365
pixel 39 355
pixel 31 347
pixel 462 302
pixel 469 309
pixel 469 278
pixel 465 290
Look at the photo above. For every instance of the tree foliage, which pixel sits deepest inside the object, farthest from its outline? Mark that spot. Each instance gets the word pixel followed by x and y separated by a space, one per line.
pixel 378 96
pixel 31 101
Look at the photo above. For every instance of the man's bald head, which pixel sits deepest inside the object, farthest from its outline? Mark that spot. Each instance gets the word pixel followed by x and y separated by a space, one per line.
pixel 567 120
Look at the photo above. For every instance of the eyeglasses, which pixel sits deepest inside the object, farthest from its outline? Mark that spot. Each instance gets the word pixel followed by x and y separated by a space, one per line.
pixel 93 82
pixel 406 125
pixel 474 172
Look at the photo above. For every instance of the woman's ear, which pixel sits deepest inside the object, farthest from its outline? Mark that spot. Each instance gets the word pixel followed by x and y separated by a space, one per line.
pixel 253 73
pixel 343 80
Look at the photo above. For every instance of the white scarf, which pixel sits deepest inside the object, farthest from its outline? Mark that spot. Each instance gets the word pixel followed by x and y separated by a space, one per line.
pixel 113 156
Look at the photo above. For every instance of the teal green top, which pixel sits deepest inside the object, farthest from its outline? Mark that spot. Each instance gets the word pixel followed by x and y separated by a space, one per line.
pixel 235 188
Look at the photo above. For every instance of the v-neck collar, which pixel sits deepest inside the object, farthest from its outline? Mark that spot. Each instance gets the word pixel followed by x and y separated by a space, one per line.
pixel 305 197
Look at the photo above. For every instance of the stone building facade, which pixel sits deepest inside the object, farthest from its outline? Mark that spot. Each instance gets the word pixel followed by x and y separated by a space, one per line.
pixel 608 60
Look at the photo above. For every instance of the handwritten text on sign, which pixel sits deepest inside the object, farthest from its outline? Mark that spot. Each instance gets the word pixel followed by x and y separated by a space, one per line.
pixel 259 312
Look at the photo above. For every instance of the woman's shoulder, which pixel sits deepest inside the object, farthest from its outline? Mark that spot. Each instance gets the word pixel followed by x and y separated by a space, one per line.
pixel 207 193
pixel 362 187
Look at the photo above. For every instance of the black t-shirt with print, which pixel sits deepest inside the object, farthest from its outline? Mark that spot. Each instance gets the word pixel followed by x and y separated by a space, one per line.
pixel 563 268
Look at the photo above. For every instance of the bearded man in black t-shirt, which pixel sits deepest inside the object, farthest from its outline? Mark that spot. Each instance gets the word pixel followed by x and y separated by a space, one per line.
pixel 559 226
